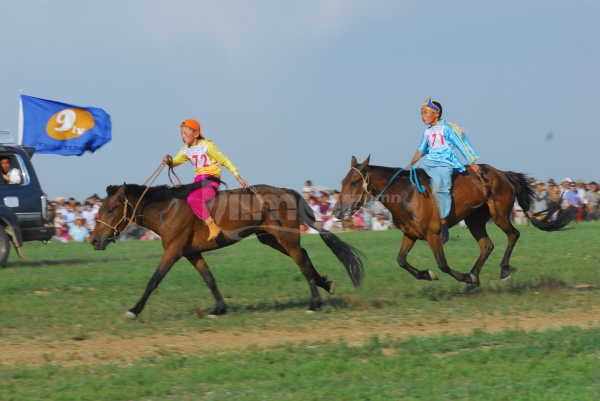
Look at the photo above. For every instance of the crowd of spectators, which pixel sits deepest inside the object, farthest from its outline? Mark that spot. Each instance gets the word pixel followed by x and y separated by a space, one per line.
pixel 584 197
pixel 74 220
pixel 323 201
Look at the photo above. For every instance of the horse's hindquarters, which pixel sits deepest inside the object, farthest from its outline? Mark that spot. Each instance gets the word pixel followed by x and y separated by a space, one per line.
pixel 469 193
pixel 239 212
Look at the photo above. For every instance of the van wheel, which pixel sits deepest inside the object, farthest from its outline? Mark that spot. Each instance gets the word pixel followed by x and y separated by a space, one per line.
pixel 4 247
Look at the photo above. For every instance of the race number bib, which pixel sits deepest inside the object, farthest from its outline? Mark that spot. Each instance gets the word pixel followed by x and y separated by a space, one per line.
pixel 198 156
pixel 435 137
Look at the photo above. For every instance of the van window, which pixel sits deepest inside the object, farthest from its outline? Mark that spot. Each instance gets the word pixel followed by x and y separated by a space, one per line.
pixel 10 168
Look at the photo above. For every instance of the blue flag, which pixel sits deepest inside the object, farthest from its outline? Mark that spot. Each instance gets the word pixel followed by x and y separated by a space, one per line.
pixel 61 128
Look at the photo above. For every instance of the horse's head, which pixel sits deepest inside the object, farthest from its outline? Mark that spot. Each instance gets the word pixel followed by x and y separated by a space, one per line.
pixel 112 217
pixel 354 191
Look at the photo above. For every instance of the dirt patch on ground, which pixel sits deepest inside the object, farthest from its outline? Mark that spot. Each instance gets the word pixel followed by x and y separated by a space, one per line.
pixel 122 351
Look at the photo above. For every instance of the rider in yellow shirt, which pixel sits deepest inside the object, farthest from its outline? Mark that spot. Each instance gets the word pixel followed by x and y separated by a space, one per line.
pixel 207 160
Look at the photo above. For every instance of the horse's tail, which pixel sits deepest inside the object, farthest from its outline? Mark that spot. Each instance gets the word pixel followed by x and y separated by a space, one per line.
pixel 349 256
pixel 523 192
pixel 542 220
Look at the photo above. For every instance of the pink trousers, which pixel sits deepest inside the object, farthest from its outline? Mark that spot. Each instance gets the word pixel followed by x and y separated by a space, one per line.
pixel 197 199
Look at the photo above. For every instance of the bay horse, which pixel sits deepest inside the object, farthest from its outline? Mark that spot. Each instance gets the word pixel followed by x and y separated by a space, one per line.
pixel 272 214
pixel 475 199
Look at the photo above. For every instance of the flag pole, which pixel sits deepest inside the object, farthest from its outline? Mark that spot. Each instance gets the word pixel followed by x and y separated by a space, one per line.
pixel 20 135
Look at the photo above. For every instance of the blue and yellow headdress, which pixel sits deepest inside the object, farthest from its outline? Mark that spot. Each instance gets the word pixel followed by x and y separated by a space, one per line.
pixel 429 105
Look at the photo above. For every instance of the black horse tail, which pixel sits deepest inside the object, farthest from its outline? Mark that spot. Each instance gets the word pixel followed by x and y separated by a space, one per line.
pixel 523 192
pixel 349 256
pixel 552 219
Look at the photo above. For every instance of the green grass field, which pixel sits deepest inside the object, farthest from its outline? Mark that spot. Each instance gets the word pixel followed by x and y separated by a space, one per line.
pixel 536 339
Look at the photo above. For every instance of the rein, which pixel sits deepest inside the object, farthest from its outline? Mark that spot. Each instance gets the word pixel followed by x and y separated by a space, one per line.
pixel 414 180
pixel 148 183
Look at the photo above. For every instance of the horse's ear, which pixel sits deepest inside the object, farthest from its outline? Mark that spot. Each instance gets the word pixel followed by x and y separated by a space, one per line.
pixel 123 188
pixel 365 163
pixel 353 162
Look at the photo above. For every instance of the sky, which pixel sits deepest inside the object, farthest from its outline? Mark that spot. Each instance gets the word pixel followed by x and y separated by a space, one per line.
pixel 291 90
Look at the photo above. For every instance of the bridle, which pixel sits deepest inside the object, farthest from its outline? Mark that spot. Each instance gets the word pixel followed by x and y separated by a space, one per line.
pixel 362 199
pixel 353 208
pixel 129 220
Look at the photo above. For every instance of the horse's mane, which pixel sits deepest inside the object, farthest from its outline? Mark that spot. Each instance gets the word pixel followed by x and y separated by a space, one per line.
pixel 391 170
pixel 404 173
pixel 157 193
pixel 161 193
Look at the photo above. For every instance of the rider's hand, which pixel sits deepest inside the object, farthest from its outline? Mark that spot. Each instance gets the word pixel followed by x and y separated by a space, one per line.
pixel 475 168
pixel 167 160
pixel 242 182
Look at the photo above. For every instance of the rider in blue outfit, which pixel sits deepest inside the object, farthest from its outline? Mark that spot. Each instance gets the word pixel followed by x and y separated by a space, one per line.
pixel 439 142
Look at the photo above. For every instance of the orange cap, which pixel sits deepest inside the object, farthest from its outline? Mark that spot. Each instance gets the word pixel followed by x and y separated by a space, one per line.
pixel 193 124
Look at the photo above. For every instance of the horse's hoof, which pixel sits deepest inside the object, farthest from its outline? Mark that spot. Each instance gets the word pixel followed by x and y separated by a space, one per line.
pixel 309 311
pixel 130 315
pixel 217 312
pixel 474 282
pixel 506 280
pixel 432 275
pixel 331 287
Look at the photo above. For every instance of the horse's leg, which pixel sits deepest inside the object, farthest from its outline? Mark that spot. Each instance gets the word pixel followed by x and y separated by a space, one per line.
pixel 435 243
pixel 476 223
pixel 291 247
pixel 512 234
pixel 166 262
pixel 407 244
pixel 199 263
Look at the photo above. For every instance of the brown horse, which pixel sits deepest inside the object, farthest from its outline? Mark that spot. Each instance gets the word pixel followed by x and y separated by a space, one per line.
pixel 273 214
pixel 475 199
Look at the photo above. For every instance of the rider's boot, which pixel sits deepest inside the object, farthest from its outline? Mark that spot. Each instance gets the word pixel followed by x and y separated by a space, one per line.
pixel 444 233
pixel 213 229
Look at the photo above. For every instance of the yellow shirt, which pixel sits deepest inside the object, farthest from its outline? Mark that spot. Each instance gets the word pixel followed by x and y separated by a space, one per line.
pixel 206 159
